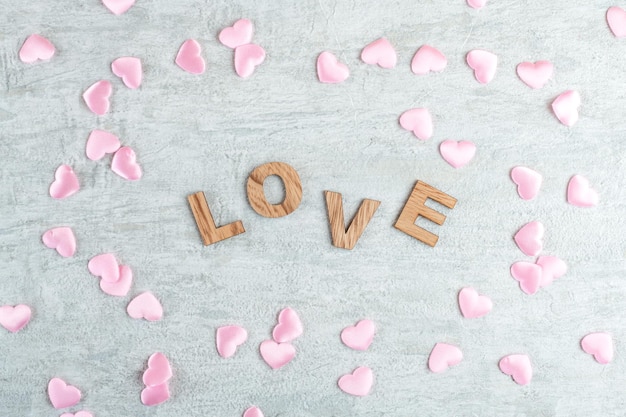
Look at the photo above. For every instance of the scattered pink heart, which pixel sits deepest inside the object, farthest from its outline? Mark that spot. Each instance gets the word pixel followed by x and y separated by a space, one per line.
pixel 240 33
pixel 155 395
pixel 125 164
pixel 121 287
pixel 159 370
pixel 428 59
pixel 118 7
pixel 78 414
pixel 580 193
pixel 330 70
pixel 600 345
pixel 62 239
pixel 381 53
pixel 444 356
pixel 529 238
pixel 518 367
pixel 65 183
pixel 129 69
pixel 476 4
pixel 551 269
pixel 228 339
pixel 253 412
pixel 535 75
pixel 616 18
pixel 105 266
pixel 529 276
pixel 419 121
pixel 97 97
pixel 145 306
pixel 189 57
pixel 277 355
pixel 100 143
pixel 35 48
pixel 472 304
pixel 565 107
pixel 358 383
pixel 289 326
pixel 359 337
pixel 457 154
pixel 247 58
pixel 528 182
pixel 484 64
pixel 61 394
pixel 15 318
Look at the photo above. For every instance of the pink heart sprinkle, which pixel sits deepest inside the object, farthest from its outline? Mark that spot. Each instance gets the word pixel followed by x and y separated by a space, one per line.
pixel 358 383
pixel 105 266
pixel 125 164
pixel 118 7
pixel 580 193
pixel 428 59
pixel 189 58
pixel 551 269
pixel 472 304
pixel 535 75
pixel 616 18
pixel 528 182
pixel 159 370
pixel 253 412
pixel 528 275
pixel 518 367
pixel 228 339
pixel 289 326
pixel 14 318
pixel 330 70
pixel 62 239
pixel 530 238
pixel 61 394
pixel 78 414
pixel 381 53
pixel 600 345
pixel 276 355
pixel 359 337
pixel 483 63
pixel 240 33
pixel 565 107
pixel 155 395
pixel 247 58
pixel 476 4
pixel 444 356
pixel 145 306
pixel 36 47
pixel 129 69
pixel 101 143
pixel 418 121
pixel 457 154
pixel 97 97
pixel 121 287
pixel 65 183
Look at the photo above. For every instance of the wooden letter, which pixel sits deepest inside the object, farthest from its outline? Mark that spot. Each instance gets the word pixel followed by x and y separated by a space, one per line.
pixel 206 225
pixel 342 237
pixel 293 189
pixel 415 207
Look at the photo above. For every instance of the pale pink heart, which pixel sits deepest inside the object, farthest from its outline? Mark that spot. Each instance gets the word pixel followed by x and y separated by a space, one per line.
pixel 616 18
pixel 358 383
pixel 484 64
pixel 535 75
pixel 155 395
pixel 276 355
pixel 129 69
pixel 145 306
pixel 444 356
pixel 100 143
pixel 189 58
pixel 528 182
pixel 97 97
pixel 518 367
pixel 62 239
pixel 65 183
pixel 600 345
pixel 253 412
pixel 289 326
pixel 240 33
pixel 36 47
pixel 61 394
pixel 551 269
pixel 565 107
pixel 457 154
pixel 159 370
pixel 419 121
pixel 247 58
pixel 14 318
pixel 330 70
pixel 121 287
pixel 580 193
pixel 529 238
pixel 359 337
pixel 105 266
pixel 428 59
pixel 381 53
pixel 125 164
pixel 476 4
pixel 118 7
pixel 472 304
pixel 78 414
pixel 228 339
pixel 528 275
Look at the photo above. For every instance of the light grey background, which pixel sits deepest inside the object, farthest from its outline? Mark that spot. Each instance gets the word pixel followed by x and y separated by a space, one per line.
pixel 209 132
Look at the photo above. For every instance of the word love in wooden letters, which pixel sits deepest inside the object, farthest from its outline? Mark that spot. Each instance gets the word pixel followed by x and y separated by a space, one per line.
pixel 342 237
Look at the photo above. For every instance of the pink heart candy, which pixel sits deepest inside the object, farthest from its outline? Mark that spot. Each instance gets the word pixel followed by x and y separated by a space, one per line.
pixel 78 414
pixel 101 143
pixel 121 287
pixel 97 97
pixel 159 370
pixel 472 304
pixel 14 318
pixel 457 154
pixel 359 337
pixel 528 275
pixel 36 47
pixel 444 356
pixel 476 4
pixel 118 7
pixel 551 268
pixel 565 107
pixel 155 395
pixel 483 63
pixel 105 266
pixel 289 326
pixel 253 412
pixel 276 355
pixel 529 238
pixel 247 58
pixel 228 339
pixel 129 69
pixel 518 367
pixel 528 182
pixel 61 394
pixel 616 18
pixel 418 121
pixel 535 75
pixel 240 33
pixel 62 239
pixel 330 70
pixel 189 58
pixel 65 183
pixel 580 193
pixel 428 59
pixel 145 306
pixel 600 345
pixel 125 164
pixel 381 53
pixel 358 383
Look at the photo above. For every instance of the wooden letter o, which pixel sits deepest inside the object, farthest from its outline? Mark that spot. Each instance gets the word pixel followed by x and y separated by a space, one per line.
pixel 256 194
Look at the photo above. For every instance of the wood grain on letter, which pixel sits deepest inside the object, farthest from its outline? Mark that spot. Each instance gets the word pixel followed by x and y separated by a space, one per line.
pixel 343 237
pixel 206 225
pixel 293 189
